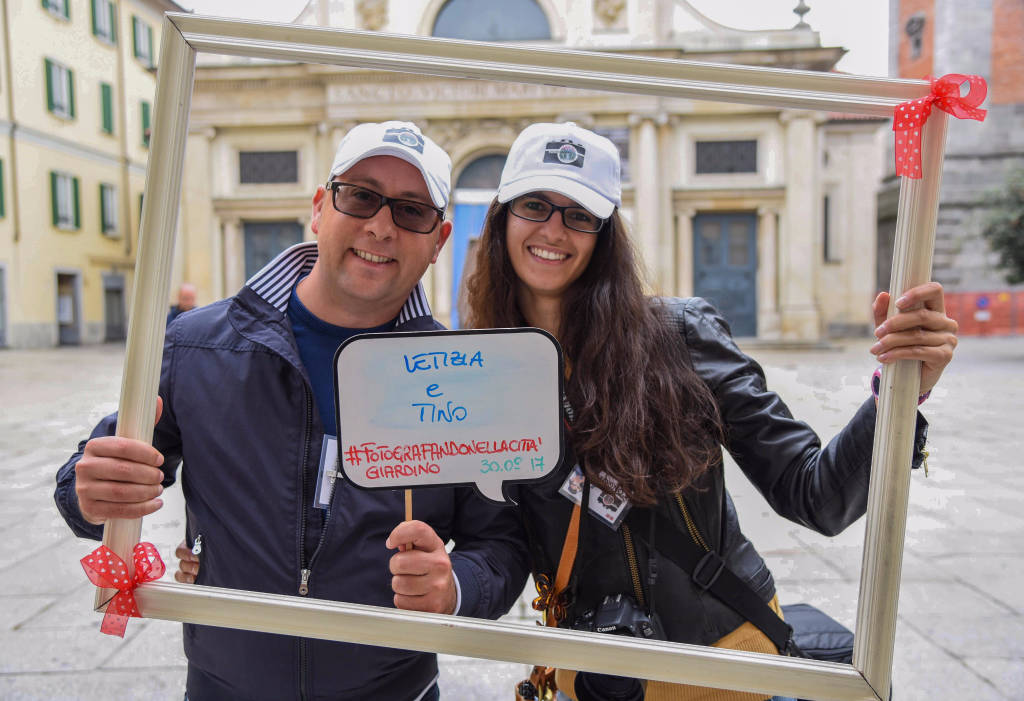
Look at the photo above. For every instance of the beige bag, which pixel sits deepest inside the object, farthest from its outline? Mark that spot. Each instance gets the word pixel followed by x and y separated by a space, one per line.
pixel 747 637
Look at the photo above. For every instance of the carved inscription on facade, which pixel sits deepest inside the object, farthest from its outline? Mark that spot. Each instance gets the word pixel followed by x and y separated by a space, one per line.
pixel 434 91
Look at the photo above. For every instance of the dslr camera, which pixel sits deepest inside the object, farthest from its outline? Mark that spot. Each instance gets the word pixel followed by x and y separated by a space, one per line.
pixel 618 615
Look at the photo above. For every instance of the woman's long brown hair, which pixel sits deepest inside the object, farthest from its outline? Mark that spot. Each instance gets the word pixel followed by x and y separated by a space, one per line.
pixel 641 413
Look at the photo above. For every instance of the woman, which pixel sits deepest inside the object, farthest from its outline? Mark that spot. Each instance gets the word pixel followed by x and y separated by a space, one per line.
pixel 654 389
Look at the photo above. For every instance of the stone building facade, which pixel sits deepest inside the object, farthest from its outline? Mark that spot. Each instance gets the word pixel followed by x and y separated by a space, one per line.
pixel 986 38
pixel 768 212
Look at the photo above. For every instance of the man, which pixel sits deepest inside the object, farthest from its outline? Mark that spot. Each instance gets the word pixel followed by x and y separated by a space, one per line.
pixel 186 301
pixel 246 394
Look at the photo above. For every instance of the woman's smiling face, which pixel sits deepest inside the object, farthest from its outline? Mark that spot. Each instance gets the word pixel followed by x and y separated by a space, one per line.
pixel 548 257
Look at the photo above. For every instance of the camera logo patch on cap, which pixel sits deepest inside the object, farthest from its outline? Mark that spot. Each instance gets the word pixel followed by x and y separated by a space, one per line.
pixel 406 137
pixel 565 152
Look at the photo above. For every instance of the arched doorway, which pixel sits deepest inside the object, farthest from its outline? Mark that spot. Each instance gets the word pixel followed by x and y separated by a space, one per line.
pixel 487 20
pixel 474 191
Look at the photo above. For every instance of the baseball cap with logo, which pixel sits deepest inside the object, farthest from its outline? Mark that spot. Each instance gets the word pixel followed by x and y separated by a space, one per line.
pixel 567 159
pixel 402 140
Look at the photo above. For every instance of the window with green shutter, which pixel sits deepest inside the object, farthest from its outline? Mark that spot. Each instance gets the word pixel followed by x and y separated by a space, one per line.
pixel 107 107
pixel 60 8
pixel 142 41
pixel 108 209
pixel 104 24
pixel 145 123
pixel 64 201
pixel 60 89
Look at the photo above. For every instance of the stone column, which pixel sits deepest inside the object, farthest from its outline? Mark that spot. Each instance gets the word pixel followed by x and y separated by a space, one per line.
pixel 195 252
pixel 799 314
pixel 644 164
pixel 217 288
pixel 767 273
pixel 234 257
pixel 684 252
pixel 437 283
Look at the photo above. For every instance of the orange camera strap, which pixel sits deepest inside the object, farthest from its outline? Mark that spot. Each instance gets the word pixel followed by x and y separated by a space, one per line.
pixel 565 562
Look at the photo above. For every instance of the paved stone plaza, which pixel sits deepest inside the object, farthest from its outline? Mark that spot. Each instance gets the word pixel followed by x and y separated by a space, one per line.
pixel 960 633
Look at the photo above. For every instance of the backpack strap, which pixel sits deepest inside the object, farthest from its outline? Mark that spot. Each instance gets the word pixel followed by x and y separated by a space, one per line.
pixel 709 572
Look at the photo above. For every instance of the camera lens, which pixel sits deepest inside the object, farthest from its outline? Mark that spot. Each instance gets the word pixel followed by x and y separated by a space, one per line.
pixel 527 691
pixel 591 686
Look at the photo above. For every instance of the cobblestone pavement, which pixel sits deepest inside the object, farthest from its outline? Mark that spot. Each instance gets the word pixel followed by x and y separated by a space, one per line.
pixel 961 612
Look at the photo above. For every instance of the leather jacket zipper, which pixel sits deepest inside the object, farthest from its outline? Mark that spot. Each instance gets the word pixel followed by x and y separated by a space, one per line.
pixel 634 568
pixel 691 525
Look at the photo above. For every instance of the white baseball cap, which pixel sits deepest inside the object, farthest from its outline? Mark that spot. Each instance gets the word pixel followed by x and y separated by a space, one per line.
pixel 402 140
pixel 566 159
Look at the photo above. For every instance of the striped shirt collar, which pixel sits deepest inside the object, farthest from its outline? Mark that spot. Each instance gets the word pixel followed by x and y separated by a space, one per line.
pixel 274 283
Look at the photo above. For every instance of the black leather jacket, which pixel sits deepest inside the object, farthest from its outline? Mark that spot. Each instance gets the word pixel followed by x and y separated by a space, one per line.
pixel 823 488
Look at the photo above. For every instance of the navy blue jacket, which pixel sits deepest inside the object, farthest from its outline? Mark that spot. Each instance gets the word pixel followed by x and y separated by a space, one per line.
pixel 240 418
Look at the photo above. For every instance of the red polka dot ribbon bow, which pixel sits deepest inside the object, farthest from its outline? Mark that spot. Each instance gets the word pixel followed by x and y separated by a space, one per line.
pixel 105 569
pixel 911 116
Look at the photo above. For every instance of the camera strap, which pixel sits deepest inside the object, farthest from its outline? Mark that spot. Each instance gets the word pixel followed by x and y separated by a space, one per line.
pixel 567 558
pixel 710 573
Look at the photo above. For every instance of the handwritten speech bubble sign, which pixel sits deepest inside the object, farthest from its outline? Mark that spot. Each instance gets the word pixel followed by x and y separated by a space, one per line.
pixel 423 409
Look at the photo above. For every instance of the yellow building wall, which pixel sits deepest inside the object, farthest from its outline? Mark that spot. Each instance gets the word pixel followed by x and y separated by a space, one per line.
pixel 45 249
pixel 139 80
pixel 39 35
pixel 44 142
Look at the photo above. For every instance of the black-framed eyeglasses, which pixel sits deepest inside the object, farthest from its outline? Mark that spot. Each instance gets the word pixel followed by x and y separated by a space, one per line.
pixel 361 202
pixel 536 208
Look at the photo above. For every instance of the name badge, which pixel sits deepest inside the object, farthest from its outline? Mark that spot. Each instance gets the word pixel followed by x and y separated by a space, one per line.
pixel 327 473
pixel 608 508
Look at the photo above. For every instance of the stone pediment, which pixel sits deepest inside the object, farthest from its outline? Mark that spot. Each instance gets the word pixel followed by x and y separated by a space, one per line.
pixel 692 30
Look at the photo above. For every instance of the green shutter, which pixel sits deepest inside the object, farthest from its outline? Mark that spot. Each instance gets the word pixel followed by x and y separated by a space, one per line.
pixel 135 36
pixel 145 123
pixel 103 210
pixel 113 22
pixel 149 41
pixel 3 211
pixel 53 197
pixel 71 92
pixel 107 103
pixel 95 28
pixel 74 194
pixel 65 13
pixel 48 68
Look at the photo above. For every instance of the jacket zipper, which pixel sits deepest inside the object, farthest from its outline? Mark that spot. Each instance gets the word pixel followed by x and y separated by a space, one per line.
pixel 634 569
pixel 197 545
pixel 306 569
pixel 303 566
pixel 691 525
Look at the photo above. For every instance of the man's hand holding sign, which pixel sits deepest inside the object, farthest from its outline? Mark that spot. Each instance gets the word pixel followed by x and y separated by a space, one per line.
pixel 445 408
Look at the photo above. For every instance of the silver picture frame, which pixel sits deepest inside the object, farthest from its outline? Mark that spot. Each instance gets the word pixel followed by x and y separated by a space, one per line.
pixel 868 678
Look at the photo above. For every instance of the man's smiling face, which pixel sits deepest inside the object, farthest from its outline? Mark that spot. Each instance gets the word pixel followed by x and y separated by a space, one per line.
pixel 367 267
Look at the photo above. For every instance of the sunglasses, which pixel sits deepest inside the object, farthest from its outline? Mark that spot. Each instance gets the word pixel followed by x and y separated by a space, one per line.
pixel 361 202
